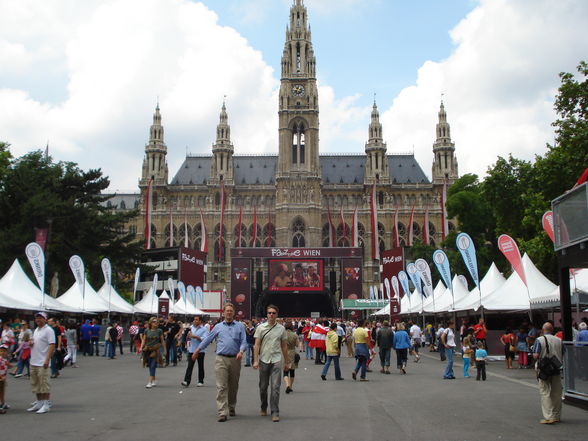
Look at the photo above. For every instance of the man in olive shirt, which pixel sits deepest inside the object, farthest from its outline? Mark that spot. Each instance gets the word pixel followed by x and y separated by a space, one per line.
pixel 270 346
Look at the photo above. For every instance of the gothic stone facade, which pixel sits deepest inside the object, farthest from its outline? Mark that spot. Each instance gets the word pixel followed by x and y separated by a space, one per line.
pixel 293 189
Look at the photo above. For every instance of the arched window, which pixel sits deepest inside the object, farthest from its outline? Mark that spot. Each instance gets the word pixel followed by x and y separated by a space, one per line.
pixel 244 236
pixel 381 236
pixel 169 231
pixel 451 227
pixel 123 206
pixel 432 229
pixel 381 245
pixel 401 230
pixel 325 235
pixel 341 233
pixel 269 235
pixel 298 230
pixel 259 236
pixel 217 199
pixel 181 233
pixel 381 198
pixel 416 230
pixel 298 144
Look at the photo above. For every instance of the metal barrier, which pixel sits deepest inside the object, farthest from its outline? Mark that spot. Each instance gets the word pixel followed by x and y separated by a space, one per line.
pixel 575 365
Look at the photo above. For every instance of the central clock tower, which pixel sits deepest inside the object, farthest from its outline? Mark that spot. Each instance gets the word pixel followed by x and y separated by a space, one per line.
pixel 298 180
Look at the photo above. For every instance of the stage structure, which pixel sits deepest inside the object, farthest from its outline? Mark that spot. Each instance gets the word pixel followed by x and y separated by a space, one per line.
pixel 294 279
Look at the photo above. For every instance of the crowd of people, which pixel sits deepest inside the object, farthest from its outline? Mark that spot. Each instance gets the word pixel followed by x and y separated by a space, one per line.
pixel 272 346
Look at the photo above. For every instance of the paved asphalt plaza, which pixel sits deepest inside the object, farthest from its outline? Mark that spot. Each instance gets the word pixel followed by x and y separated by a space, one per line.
pixel 107 400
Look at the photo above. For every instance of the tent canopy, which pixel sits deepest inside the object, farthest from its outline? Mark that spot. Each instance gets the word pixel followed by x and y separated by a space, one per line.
pixel 89 301
pixel 117 303
pixel 149 304
pixel 20 292
pixel 489 283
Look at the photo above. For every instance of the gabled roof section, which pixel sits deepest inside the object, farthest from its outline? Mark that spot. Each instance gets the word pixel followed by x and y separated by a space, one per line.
pixel 342 169
pixel 404 169
pixel 123 201
pixel 251 170
pixel 195 170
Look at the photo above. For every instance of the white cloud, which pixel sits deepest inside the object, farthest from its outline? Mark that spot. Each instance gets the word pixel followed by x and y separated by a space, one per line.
pixel 499 83
pixel 109 60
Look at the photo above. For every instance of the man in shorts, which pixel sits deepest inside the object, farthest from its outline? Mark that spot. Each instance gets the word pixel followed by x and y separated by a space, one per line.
pixel 416 337
pixel 42 348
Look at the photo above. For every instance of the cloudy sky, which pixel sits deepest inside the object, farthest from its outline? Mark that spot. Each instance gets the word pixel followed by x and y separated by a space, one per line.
pixel 84 76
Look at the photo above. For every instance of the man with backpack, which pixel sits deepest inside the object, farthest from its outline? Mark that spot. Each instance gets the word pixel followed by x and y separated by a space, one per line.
pixel 547 351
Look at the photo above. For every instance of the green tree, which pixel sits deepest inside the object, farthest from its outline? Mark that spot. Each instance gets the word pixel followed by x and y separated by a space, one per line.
pixel 5 159
pixel 38 193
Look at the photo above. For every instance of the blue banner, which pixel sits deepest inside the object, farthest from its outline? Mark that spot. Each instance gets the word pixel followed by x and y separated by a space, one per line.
pixel 200 295
pixel 442 263
pixel 403 277
pixel 191 294
pixel 466 247
pixel 415 278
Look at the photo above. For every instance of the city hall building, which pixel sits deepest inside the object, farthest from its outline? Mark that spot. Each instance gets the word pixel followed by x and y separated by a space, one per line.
pixel 294 198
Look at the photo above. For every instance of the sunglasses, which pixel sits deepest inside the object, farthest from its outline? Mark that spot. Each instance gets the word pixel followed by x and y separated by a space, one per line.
pixel 272 312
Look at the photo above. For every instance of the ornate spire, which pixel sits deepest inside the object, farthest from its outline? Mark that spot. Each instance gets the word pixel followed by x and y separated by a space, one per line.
pixel 376 166
pixel 375 129
pixel 223 130
pixel 445 162
pixel 298 56
pixel 222 151
pixel 155 165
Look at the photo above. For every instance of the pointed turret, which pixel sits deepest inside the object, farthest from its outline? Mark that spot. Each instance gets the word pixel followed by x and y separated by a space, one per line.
pixel 376 165
pixel 154 164
pixel 445 162
pixel 222 151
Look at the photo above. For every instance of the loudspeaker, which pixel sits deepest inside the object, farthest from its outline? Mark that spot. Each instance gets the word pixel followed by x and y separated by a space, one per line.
pixel 259 281
pixel 333 281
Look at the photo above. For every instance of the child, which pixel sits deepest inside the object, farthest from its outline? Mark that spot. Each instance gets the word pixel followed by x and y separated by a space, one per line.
pixel 24 356
pixel 481 356
pixel 4 366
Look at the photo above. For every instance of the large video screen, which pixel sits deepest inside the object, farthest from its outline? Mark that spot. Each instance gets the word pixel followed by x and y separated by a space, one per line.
pixel 295 275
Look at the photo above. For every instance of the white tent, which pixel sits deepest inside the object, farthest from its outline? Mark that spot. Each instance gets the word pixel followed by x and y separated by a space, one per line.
pixel 89 301
pixel 19 290
pixel 11 303
pixel 149 304
pixel 117 303
pixel 447 300
pixel 489 283
pixel 578 283
pixel 513 294
pixel 430 304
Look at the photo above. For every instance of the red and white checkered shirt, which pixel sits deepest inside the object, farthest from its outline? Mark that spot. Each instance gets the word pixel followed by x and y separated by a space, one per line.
pixel 134 330
pixel 120 331
pixel 3 368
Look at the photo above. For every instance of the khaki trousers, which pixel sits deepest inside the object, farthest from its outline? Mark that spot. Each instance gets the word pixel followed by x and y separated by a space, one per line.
pixel 228 370
pixel 550 391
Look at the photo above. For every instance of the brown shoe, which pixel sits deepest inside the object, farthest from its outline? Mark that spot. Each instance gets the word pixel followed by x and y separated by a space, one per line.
pixel 263 412
pixel 222 418
pixel 232 412
pixel 275 419
pixel 547 421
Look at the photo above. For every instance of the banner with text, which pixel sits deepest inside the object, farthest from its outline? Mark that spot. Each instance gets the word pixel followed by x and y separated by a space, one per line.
pixel 191 266
pixel 241 287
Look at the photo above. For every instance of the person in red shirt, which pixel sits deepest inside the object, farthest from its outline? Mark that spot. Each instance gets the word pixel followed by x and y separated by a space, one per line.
pixel 480 332
pixel 306 334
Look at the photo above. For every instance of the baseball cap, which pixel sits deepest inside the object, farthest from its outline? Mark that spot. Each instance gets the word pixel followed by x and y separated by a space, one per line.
pixel 42 314
pixel 4 347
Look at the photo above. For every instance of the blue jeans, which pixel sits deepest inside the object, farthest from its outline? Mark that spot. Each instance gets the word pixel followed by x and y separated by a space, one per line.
pixel 110 349
pixel 442 351
pixel 53 364
pixel 249 353
pixel 172 353
pixel 466 365
pixel 94 346
pixel 335 359
pixel 361 364
pixel 449 369
pixel 21 364
pixel 308 350
pixel 152 366
pixel 385 357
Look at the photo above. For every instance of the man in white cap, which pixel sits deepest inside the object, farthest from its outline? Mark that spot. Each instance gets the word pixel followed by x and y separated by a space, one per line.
pixel 43 346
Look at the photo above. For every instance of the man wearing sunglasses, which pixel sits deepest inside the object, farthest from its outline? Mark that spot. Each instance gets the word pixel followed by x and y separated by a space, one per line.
pixel 271 347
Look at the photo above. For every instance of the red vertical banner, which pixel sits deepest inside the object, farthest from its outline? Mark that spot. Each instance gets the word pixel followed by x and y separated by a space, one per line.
pixel 392 263
pixel 510 249
pixel 354 232
pixel 148 204
pixel 547 222
pixel 204 243
pixel 41 235
pixel 426 228
pixel 191 267
pixel 374 210
pixel 163 307
pixel 268 240
pixel 241 286
pixel 254 227
pixel 343 226
pixel 444 224
pixel 396 235
pixel 331 229
pixel 222 219
pixel 352 278
pixel 410 226
pixel 239 226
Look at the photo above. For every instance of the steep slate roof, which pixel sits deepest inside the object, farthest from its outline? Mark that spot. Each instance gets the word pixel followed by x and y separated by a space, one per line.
pixel 335 169
pixel 123 201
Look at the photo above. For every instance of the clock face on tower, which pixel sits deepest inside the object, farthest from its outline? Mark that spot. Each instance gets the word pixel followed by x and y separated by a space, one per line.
pixel 298 90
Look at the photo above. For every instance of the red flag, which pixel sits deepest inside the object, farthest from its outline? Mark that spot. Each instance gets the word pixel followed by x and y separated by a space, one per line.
pixel 204 243
pixel 41 235
pixel 148 203
pixel 222 219
pixel 354 232
pixel 332 237
pixel 410 232
pixel 254 227
pixel 268 240
pixel 396 235
pixel 444 225
pixel 239 227
pixel 171 227
pixel 344 226
pixel 373 207
pixel 547 222
pixel 185 227
pixel 426 227
pixel 509 248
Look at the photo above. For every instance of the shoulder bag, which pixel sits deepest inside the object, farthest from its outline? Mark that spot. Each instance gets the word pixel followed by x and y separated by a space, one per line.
pixel 549 365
